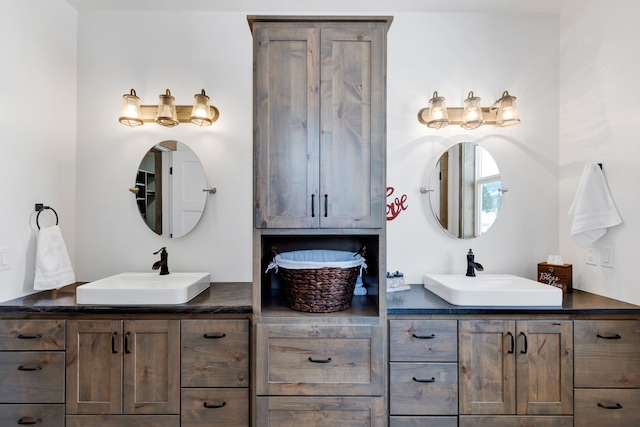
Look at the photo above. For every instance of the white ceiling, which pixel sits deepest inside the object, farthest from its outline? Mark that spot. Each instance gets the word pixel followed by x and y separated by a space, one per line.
pixel 333 6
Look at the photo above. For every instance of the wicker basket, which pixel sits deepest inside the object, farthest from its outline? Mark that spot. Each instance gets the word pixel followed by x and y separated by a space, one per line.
pixel 325 288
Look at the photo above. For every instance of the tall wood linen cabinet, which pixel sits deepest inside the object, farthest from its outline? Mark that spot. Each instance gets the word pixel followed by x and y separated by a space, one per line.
pixel 319 183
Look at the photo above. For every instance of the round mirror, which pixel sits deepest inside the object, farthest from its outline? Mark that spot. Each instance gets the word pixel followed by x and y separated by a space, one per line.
pixel 170 182
pixel 466 190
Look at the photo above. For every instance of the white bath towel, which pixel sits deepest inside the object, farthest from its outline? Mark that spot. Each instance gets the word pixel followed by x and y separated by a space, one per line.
pixel 53 266
pixel 593 209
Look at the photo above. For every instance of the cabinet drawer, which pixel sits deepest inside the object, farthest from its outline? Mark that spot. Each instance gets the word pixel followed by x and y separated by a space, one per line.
pixel 423 340
pixel 228 407
pixel 423 422
pixel 31 334
pixel 611 408
pixel 123 420
pixel 320 411
pixel 32 376
pixel 320 360
pixel 607 353
pixel 423 388
pixel 515 421
pixel 42 415
pixel 215 353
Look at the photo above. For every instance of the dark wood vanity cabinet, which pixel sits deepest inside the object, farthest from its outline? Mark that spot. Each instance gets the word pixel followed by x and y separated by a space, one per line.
pixel 32 364
pixel 120 370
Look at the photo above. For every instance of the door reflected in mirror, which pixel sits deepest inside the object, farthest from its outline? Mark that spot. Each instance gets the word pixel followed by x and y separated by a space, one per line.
pixel 466 191
pixel 170 182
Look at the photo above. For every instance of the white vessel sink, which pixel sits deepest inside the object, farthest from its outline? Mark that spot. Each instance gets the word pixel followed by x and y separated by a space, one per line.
pixel 503 290
pixel 143 288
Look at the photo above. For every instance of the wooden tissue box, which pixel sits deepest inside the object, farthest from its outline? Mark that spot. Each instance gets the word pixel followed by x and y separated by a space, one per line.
pixel 556 275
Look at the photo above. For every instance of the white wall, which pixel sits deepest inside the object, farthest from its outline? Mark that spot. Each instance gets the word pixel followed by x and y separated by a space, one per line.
pixel 576 60
pixel 38 121
pixel 186 51
pixel 599 66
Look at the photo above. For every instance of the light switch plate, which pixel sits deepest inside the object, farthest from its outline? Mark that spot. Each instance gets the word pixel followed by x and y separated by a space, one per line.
pixel 606 257
pixel 5 258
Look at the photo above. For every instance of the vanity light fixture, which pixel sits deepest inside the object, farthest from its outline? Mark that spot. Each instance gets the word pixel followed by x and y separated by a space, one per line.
pixel 437 114
pixel 502 113
pixel 166 113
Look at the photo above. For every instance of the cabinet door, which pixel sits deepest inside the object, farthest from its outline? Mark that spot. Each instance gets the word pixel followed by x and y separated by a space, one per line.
pixel 352 137
pixel 94 367
pixel 286 114
pixel 544 367
pixel 151 367
pixel 487 371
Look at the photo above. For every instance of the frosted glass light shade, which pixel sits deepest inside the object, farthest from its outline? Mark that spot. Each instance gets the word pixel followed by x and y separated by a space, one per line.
pixel 472 113
pixel 438 116
pixel 167 115
pixel 130 115
pixel 201 112
pixel 507 111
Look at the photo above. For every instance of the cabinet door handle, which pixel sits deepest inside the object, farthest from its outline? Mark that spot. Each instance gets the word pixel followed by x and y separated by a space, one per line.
pixel 616 406
pixel 215 335
pixel 114 335
pixel 22 421
pixel 126 342
pixel 326 205
pixel 313 206
pixel 29 337
pixel 206 405
pixel 526 345
pixel 513 343
pixel 25 368
pixel 320 360
pixel 432 380
pixel 424 337
pixel 609 337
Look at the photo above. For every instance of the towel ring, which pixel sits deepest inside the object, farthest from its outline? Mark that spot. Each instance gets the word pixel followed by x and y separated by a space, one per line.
pixel 40 211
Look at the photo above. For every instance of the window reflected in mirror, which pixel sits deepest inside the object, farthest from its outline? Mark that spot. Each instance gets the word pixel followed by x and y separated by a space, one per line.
pixel 466 190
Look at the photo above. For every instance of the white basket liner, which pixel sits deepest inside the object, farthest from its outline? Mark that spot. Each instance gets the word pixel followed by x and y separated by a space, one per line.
pixel 317 258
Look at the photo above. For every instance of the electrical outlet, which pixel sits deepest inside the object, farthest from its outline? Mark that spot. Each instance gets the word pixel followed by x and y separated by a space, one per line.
pixel 591 256
pixel 5 258
pixel 606 257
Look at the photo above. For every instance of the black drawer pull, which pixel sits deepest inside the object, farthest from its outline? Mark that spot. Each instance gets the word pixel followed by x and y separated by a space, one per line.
pixel 609 337
pixel 432 380
pixel 206 405
pixel 216 335
pixel 114 335
pixel 424 337
pixel 616 406
pixel 513 343
pixel 526 345
pixel 313 206
pixel 320 360
pixel 22 421
pixel 24 368
pixel 29 337
pixel 126 342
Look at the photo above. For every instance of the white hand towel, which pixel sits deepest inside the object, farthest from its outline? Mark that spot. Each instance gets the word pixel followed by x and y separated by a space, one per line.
pixel 593 209
pixel 53 266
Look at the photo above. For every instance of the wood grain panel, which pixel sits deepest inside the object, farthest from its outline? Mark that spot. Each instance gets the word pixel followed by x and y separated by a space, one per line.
pixel 32 334
pixel 423 340
pixel 32 376
pixel 423 389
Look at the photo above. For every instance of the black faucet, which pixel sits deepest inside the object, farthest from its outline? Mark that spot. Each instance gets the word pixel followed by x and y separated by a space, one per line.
pixel 163 264
pixel 472 265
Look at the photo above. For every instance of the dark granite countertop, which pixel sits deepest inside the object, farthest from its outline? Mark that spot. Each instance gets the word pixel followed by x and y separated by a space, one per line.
pixel 418 300
pixel 219 298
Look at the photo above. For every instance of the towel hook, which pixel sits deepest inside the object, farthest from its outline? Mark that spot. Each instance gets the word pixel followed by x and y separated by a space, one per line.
pixel 41 207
